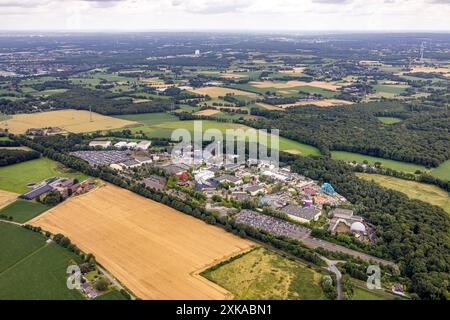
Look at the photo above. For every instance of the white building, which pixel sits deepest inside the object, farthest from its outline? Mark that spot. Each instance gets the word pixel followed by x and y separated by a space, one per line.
pixel 132 145
pixel 143 145
pixel 103 144
pixel 121 144
pixel 202 176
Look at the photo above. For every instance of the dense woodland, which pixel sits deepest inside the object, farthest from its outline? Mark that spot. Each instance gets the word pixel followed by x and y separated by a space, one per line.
pixel 422 138
pixel 105 103
pixel 412 233
pixel 8 157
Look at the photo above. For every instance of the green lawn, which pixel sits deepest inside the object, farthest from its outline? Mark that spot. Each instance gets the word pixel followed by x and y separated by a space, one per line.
pixel 395 165
pixel 365 294
pixel 158 126
pixel 23 210
pixel 15 177
pixel 31 269
pixel 263 274
pixel 414 190
pixel 149 119
pixel 389 120
pixel 442 172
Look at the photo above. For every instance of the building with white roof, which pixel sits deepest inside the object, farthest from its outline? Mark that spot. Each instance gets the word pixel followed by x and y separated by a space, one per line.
pixel 144 145
pixel 102 144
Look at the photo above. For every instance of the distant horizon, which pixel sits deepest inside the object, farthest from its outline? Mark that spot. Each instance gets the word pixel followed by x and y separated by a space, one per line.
pixel 229 15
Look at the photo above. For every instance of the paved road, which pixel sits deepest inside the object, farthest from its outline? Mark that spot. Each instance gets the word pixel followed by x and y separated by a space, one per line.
pixel 332 268
pixel 315 243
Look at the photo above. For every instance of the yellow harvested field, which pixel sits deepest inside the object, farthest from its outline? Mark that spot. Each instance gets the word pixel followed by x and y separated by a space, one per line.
pixel 75 121
pixel 268 106
pixel 319 103
pixel 296 70
pixel 215 92
pixel 293 84
pixel 232 76
pixel 154 250
pixel 207 112
pixel 7 198
pixel 430 70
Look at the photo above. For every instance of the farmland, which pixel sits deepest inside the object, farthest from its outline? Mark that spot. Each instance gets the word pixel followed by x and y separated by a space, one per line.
pixel 389 120
pixel 32 269
pixel 6 198
pixel 392 164
pixel 68 120
pixel 162 125
pixel 443 171
pixel 22 210
pixel 15 178
pixel 263 274
pixel 152 249
pixel 415 190
pixel 215 92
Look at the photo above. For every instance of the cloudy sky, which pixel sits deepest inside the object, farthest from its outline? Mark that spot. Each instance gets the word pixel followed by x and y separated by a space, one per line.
pixel 299 15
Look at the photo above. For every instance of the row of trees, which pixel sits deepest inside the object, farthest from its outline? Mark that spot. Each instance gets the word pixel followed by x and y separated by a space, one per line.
pixel 8 157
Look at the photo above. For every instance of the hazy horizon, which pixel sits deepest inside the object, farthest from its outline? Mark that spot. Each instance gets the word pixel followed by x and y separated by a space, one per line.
pixel 305 16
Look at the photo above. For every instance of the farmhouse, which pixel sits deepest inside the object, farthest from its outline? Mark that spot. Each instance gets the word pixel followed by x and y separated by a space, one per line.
pixel 101 144
pixel 35 193
pixel 302 214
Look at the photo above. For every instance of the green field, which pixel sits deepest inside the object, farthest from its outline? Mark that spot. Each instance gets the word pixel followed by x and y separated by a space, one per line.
pixel 389 120
pixel 392 164
pixel 365 294
pixel 263 274
pixel 414 190
pixel 392 89
pixel 161 125
pixel 442 172
pixel 16 177
pixel 22 210
pixel 32 269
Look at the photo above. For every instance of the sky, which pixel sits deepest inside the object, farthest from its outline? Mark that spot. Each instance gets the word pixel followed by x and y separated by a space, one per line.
pixel 232 15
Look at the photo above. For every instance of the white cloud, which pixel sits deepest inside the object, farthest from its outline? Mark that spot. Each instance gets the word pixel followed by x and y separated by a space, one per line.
pixel 226 14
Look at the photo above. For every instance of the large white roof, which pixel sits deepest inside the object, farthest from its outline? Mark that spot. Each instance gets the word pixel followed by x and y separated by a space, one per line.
pixel 358 227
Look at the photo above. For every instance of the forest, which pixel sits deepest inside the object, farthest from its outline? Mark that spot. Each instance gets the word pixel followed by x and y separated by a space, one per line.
pixel 422 138
pixel 412 233
pixel 8 157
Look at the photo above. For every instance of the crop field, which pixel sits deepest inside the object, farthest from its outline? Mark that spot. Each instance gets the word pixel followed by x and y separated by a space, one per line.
pixel 152 249
pixel 294 84
pixel 7 198
pixel 414 190
pixel 318 103
pixel 165 129
pixel 360 158
pixel 207 112
pixel 16 177
pixel 215 92
pixel 443 171
pixel 389 120
pixel 263 274
pixel 23 210
pixel 32 269
pixel 68 120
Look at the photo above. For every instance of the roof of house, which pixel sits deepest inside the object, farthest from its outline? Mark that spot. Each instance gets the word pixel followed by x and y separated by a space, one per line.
pixel 36 192
pixel 255 188
pixel 306 213
pixel 131 162
pixel 227 177
pixel 100 143
pixel 342 212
